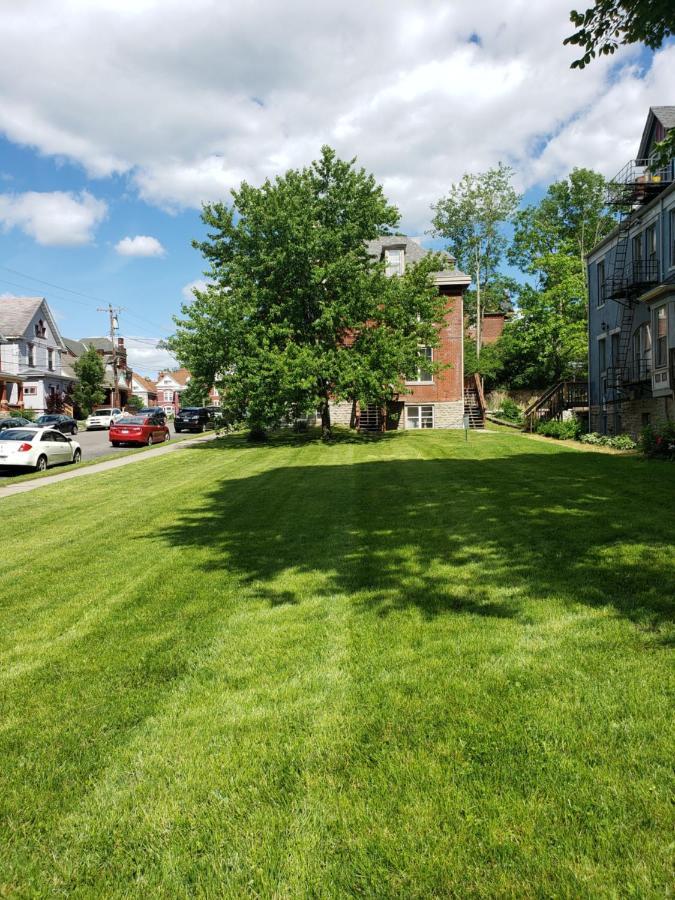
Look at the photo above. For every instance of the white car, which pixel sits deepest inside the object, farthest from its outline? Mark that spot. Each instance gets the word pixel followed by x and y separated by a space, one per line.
pixel 103 418
pixel 37 448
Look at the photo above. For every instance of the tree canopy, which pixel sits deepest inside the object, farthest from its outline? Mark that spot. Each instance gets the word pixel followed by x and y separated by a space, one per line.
pixel 297 315
pixel 471 218
pixel 90 371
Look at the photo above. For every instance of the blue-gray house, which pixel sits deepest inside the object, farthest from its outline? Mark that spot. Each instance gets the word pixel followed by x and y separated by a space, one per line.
pixel 631 278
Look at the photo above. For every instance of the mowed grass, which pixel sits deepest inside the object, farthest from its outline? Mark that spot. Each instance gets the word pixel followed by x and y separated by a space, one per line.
pixel 405 667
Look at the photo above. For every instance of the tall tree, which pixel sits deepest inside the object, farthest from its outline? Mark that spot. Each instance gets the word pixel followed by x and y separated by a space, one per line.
pixel 297 316
pixel 90 371
pixel 472 218
pixel 570 219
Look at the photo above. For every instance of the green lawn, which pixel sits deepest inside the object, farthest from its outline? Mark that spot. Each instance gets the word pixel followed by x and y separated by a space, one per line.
pixel 405 667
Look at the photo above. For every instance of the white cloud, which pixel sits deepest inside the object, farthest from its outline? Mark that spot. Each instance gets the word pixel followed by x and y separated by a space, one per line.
pixel 56 218
pixel 146 358
pixel 199 284
pixel 200 96
pixel 141 245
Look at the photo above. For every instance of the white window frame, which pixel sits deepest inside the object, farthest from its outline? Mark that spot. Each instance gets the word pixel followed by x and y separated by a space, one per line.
pixel 671 254
pixel 420 416
pixel 429 352
pixel 397 268
pixel 601 283
pixel 655 338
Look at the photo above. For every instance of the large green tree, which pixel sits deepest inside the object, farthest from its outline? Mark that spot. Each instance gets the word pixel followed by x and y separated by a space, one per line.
pixel 570 219
pixel 471 218
pixel 90 371
pixel 297 315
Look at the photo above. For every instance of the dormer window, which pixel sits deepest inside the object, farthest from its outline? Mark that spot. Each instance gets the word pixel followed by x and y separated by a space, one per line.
pixel 40 329
pixel 394 261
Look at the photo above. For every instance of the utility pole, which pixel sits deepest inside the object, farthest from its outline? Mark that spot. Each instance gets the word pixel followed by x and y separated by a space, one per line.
pixel 113 313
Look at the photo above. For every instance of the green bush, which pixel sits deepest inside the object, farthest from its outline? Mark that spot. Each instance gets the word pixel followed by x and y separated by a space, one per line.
pixel 510 411
pixel 618 441
pixel 658 442
pixel 24 414
pixel 567 430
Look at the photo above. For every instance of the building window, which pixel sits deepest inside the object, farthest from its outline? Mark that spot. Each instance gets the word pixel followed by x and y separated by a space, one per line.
pixel 50 360
pixel 420 416
pixel 602 355
pixel 168 396
pixel 661 336
pixel 393 262
pixel 31 355
pixel 637 248
pixel 30 390
pixel 424 376
pixel 40 329
pixel 602 283
pixel 652 256
pixel 672 237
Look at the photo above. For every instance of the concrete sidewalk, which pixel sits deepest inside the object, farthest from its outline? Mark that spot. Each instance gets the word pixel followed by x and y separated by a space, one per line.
pixel 22 487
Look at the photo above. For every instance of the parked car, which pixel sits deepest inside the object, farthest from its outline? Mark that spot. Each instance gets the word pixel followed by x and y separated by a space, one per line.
pixel 152 411
pixel 103 418
pixel 192 418
pixel 37 448
pixel 13 422
pixel 138 430
pixel 65 424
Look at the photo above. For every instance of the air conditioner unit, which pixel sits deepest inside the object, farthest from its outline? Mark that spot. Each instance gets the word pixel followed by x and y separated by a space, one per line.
pixel 661 383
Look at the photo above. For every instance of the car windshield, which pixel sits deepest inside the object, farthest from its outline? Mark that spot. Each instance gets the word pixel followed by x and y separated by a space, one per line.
pixel 192 409
pixel 43 420
pixel 101 412
pixel 132 420
pixel 18 434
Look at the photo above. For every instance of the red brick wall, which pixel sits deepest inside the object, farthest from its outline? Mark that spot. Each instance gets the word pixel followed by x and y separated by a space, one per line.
pixel 493 325
pixel 449 383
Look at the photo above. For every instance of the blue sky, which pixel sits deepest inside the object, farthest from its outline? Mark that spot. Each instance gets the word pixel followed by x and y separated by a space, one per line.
pixel 128 115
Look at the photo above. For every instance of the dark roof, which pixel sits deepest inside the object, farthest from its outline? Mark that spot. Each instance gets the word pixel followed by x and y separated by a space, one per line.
pixel 75 348
pixel 414 252
pixel 98 343
pixel 663 114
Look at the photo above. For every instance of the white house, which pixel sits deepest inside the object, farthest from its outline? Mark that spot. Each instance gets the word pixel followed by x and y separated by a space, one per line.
pixel 31 349
pixel 170 385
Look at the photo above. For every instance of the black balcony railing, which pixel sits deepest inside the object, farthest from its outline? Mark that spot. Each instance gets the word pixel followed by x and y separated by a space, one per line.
pixel 638 182
pixel 637 277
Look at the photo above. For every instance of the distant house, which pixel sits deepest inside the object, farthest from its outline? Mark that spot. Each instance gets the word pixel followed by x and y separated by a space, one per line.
pixel 118 375
pixel 631 277
pixel 31 351
pixel 431 400
pixel 144 388
pixel 170 385
pixel 492 327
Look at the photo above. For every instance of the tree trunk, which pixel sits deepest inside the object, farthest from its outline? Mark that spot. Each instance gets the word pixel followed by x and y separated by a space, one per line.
pixel 326 432
pixel 478 312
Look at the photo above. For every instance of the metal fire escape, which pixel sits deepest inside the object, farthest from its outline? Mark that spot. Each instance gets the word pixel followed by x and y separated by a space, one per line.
pixel 633 187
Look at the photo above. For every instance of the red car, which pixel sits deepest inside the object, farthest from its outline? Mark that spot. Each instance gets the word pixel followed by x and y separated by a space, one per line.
pixel 138 430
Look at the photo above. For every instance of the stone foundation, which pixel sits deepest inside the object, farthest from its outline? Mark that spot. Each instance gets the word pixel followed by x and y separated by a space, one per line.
pixel 341 413
pixel 446 415
pixel 632 416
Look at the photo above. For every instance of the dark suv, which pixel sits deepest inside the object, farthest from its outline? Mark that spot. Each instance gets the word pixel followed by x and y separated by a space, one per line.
pixel 192 418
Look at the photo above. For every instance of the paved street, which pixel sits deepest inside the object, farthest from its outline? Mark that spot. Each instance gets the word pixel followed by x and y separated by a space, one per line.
pixel 95 444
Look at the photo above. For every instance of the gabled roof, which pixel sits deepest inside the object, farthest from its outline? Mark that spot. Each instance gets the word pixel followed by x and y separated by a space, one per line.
pixel 665 115
pixel 145 383
pixel 180 376
pixel 75 348
pixel 414 252
pixel 16 314
pixel 98 343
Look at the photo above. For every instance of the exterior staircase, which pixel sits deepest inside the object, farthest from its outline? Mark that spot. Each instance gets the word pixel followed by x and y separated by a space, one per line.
pixel 564 395
pixel 474 401
pixel 371 419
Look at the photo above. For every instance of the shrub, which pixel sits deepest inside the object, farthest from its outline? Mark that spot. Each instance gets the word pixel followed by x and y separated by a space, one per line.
pixel 622 442
pixel 510 411
pixel 567 430
pixel 658 442
pixel 593 438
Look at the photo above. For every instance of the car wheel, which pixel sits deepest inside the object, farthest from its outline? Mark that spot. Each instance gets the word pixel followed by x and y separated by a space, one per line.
pixel 77 456
pixel 74 429
pixel 178 430
pixel 115 443
pixel 150 440
pixel 203 428
pixel 41 464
